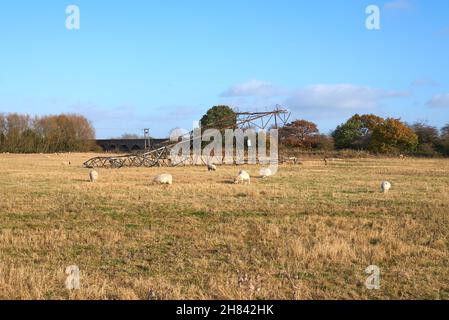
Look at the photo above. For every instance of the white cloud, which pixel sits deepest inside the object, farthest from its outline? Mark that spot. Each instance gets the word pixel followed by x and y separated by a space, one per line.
pixel 339 97
pixel 424 82
pixel 315 100
pixel 254 88
pixel 398 5
pixel 439 101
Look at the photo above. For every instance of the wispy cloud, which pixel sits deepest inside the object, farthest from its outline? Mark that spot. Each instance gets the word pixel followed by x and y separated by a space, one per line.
pixel 254 88
pixel 98 113
pixel 340 97
pixel 398 5
pixel 425 82
pixel 328 98
pixel 439 101
pixel 443 32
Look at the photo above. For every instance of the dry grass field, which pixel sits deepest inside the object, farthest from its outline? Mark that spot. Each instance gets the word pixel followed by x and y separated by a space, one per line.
pixel 307 233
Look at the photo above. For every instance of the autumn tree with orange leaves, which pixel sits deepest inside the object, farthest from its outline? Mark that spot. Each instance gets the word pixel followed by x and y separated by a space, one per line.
pixel 300 134
pixel 393 136
pixel 356 132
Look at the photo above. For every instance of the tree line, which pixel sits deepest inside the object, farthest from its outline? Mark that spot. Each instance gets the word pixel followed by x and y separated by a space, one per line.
pixel 44 134
pixel 370 133
pixel 74 133
pixel 366 132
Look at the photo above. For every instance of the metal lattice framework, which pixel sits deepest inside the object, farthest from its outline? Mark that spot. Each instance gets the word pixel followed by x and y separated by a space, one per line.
pixel 156 157
pixel 160 155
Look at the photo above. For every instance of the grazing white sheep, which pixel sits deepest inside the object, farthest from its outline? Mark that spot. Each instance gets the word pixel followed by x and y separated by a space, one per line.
pixel 385 186
pixel 211 167
pixel 242 177
pixel 163 179
pixel 66 163
pixel 265 172
pixel 93 175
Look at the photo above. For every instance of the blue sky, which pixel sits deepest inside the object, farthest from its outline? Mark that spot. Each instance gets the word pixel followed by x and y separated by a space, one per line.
pixel 162 64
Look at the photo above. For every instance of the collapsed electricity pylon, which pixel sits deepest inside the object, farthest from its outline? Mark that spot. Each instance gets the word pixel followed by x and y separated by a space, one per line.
pixel 160 155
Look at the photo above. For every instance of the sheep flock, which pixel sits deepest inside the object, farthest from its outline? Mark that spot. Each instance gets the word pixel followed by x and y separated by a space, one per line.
pixel 242 177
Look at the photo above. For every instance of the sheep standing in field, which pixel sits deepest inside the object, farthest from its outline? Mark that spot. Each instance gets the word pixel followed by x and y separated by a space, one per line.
pixel 265 172
pixel 211 167
pixel 66 163
pixel 163 179
pixel 93 176
pixel 385 186
pixel 242 177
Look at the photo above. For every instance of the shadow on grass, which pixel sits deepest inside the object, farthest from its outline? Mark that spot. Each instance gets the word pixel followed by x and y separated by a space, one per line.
pixel 357 191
